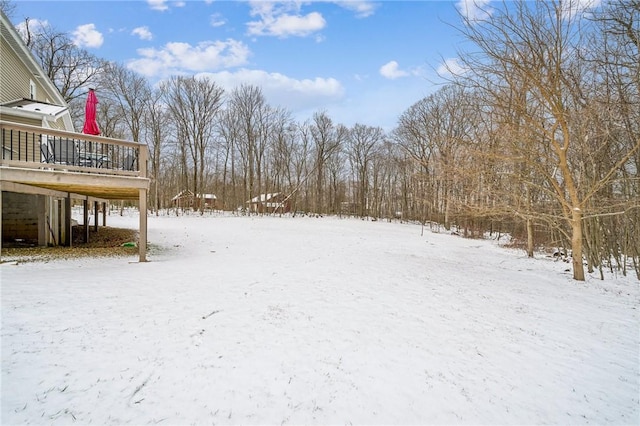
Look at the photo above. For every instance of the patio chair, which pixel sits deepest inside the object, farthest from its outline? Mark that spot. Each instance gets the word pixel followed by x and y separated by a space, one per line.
pixel 65 151
pixel 129 162
pixel 46 150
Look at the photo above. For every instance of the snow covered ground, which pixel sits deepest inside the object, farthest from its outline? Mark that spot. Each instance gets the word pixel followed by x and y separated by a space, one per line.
pixel 268 320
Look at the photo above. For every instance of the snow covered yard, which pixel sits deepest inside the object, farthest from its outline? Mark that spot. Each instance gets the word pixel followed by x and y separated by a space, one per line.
pixel 266 320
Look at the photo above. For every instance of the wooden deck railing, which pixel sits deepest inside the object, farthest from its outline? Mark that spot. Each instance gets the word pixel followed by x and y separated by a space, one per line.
pixel 36 147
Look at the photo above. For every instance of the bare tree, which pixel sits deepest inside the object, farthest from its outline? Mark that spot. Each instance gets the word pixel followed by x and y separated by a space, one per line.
pixel 229 132
pixel 131 92
pixel 156 132
pixel 8 7
pixel 251 110
pixel 363 144
pixel 302 165
pixel 327 138
pixel 70 67
pixel 610 127
pixel 413 134
pixel 282 142
pixel 433 131
pixel 194 104
pixel 537 43
pixel 110 118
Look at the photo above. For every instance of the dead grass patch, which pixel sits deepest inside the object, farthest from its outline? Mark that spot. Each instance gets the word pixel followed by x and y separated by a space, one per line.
pixel 106 242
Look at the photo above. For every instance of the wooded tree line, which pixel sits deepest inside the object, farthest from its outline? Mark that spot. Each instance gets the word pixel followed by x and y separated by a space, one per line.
pixel 536 135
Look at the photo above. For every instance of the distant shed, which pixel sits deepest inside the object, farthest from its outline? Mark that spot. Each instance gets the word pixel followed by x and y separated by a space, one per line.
pixel 186 200
pixel 275 202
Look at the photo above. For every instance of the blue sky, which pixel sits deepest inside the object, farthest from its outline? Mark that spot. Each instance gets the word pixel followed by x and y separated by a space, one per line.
pixel 361 61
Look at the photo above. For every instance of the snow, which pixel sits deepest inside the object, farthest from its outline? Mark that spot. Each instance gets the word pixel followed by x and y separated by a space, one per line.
pixel 280 320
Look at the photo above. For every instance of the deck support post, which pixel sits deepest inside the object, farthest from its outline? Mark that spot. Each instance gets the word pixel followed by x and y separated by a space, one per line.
pixel 85 218
pixel 67 221
pixel 95 216
pixel 0 223
pixel 142 243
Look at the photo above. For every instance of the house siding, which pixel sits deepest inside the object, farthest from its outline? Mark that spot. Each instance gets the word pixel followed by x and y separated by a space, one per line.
pixel 16 76
pixel 35 219
pixel 14 83
pixel 58 125
pixel 23 120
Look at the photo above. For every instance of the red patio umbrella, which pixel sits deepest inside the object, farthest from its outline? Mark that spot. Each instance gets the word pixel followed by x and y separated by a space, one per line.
pixel 90 123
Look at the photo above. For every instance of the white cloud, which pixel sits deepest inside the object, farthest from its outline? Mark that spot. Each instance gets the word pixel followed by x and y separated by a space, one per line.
pixel 451 67
pixel 160 5
pixel 36 26
pixel 391 70
pixel 143 33
pixel 283 20
pixel 576 8
pixel 281 90
pixel 216 20
pixel 474 10
pixel 87 36
pixel 363 9
pixel 184 58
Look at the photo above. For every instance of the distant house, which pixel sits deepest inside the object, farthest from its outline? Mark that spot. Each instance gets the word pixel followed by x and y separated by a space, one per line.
pixel 186 200
pixel 276 202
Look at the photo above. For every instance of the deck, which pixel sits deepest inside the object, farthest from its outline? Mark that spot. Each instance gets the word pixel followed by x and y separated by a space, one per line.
pixel 71 165
pixel 69 162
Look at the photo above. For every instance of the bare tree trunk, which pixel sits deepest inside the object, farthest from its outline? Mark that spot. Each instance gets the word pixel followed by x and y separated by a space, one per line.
pixel 576 244
pixel 529 237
